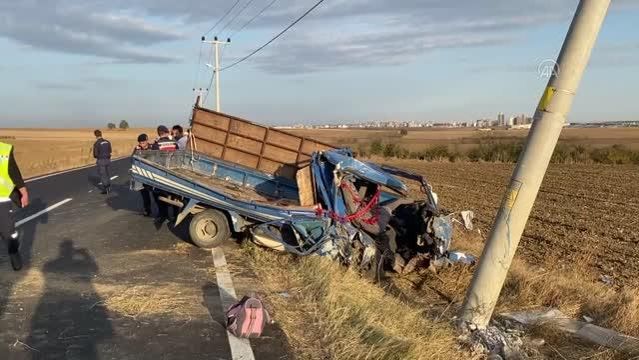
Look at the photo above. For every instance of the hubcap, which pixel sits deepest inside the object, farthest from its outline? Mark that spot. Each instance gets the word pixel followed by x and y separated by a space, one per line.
pixel 207 229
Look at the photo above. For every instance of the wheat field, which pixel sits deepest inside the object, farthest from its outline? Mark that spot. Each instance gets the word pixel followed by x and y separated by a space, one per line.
pixel 42 151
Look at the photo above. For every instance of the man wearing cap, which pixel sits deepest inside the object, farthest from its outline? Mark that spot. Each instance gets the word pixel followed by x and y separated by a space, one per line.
pixel 12 189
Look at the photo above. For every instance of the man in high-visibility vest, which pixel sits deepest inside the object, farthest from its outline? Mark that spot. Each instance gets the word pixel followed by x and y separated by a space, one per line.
pixel 12 190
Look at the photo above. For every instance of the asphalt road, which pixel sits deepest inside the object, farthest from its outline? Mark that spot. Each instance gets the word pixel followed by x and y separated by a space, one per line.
pixel 100 281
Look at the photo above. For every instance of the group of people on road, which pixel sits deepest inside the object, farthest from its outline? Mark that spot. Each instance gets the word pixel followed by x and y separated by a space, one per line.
pixel 14 193
pixel 167 141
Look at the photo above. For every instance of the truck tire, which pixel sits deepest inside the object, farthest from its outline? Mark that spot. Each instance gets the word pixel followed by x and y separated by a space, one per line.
pixel 209 229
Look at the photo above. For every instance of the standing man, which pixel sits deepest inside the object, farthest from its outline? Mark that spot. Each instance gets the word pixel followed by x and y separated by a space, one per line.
pixel 163 143
pixel 145 190
pixel 12 189
pixel 102 154
pixel 178 136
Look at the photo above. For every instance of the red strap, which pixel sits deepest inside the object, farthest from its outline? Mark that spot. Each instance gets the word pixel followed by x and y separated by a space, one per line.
pixel 359 214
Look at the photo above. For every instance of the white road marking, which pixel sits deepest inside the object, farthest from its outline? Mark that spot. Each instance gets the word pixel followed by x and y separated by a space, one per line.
pixel 240 348
pixel 39 213
pixel 68 171
pixel 114 177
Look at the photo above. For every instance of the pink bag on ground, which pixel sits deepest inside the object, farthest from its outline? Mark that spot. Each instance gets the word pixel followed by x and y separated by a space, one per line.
pixel 247 318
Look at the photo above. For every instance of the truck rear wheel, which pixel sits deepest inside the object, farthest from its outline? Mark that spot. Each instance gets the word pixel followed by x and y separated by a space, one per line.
pixel 209 229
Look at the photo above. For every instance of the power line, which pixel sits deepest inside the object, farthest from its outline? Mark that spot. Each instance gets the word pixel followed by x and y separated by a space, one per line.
pixel 235 16
pixel 253 18
pixel 196 76
pixel 208 88
pixel 222 18
pixel 274 38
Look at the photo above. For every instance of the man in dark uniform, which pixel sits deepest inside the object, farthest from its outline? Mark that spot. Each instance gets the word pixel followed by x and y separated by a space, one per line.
pixel 163 143
pixel 145 191
pixel 102 154
pixel 12 191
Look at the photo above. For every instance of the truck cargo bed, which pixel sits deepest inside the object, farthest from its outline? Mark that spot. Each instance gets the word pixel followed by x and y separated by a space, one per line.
pixel 267 149
pixel 247 193
pixel 219 184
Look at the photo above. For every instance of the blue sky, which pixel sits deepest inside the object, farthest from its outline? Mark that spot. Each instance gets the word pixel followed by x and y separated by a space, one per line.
pixel 85 63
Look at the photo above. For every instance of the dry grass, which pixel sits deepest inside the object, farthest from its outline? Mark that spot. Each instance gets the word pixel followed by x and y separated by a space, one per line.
pixel 169 299
pixel 144 300
pixel 533 287
pixel 332 313
pixel 40 151
pixel 182 248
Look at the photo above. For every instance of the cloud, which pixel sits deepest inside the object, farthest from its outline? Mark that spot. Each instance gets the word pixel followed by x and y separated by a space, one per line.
pixel 309 54
pixel 57 86
pixel 339 34
pixel 77 27
pixel 356 33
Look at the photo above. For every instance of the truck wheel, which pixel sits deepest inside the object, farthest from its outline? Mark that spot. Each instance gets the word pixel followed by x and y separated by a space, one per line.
pixel 209 229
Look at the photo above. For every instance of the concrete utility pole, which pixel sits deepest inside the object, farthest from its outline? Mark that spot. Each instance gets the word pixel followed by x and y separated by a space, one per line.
pixel 550 117
pixel 216 69
pixel 199 93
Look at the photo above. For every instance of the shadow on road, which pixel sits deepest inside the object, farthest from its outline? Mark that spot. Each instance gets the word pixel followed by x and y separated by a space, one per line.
pixel 70 320
pixel 123 198
pixel 26 236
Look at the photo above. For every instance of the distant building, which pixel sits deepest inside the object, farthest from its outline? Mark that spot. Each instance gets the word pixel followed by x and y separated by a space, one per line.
pixel 483 123
pixel 501 119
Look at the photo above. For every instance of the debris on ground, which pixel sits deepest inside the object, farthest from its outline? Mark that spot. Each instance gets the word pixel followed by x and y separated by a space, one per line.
pixel 584 330
pixel 461 258
pixel 496 341
pixel 607 279
pixel 467 217
pixel 365 219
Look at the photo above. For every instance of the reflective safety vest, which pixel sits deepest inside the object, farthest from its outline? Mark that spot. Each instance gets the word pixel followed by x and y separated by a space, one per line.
pixel 6 184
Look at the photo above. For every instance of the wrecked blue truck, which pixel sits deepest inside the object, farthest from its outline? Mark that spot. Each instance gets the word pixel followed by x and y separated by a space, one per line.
pixel 295 194
pixel 363 215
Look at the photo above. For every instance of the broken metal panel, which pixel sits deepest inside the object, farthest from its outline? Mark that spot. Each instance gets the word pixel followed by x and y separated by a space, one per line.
pixel 344 162
pixel 355 227
pixel 302 236
pixel 442 229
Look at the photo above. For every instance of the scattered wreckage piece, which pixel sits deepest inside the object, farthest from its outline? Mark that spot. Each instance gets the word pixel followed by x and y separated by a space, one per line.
pixel 582 329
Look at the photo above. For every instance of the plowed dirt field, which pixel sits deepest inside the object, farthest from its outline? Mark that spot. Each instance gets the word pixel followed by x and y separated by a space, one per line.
pixel 585 214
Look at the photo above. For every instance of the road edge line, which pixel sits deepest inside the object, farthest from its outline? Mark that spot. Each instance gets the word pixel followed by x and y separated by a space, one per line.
pixel 42 212
pixel 45 176
pixel 240 348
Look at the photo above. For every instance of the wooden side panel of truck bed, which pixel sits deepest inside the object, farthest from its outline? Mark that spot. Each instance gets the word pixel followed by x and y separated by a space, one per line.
pixel 256 146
